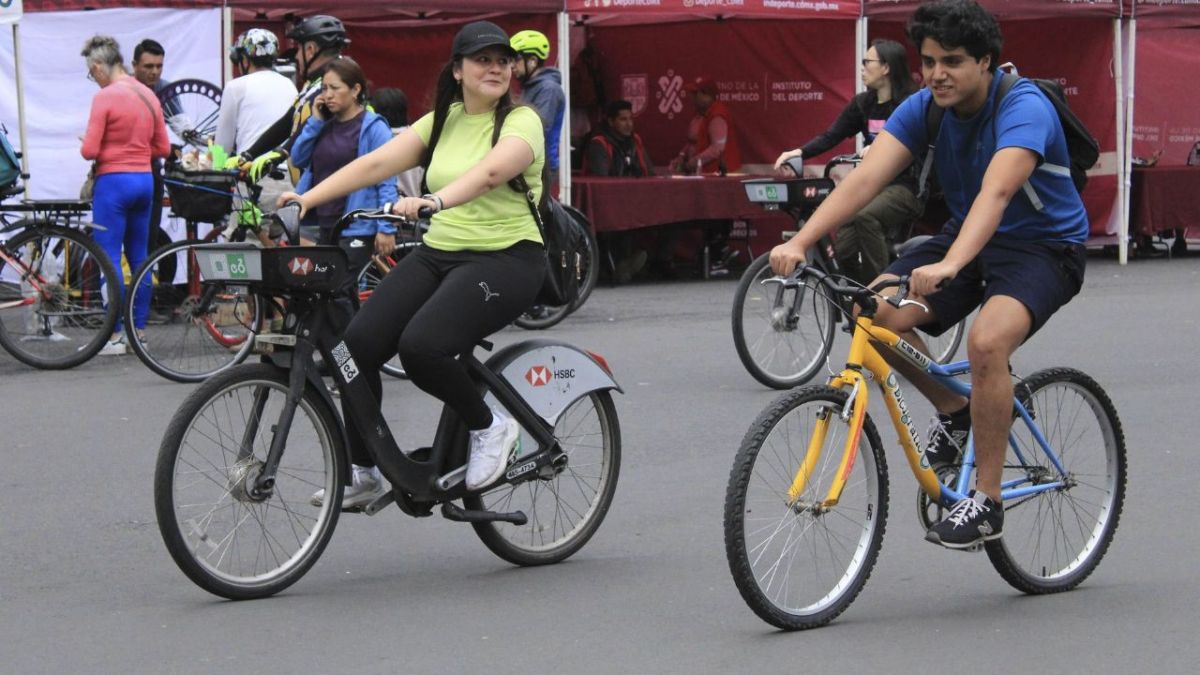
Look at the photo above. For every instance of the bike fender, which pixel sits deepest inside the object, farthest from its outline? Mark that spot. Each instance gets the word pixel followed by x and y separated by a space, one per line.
pixel 550 375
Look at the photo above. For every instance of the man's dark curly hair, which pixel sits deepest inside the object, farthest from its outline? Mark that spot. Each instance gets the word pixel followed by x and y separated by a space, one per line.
pixel 958 23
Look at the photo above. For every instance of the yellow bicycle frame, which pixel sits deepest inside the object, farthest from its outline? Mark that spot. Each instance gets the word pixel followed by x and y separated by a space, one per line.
pixel 864 356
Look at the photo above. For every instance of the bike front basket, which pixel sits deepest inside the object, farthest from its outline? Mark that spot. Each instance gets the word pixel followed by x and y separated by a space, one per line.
pixel 312 269
pixel 200 196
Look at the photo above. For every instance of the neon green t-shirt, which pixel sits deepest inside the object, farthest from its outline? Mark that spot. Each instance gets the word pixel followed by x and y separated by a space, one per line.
pixel 496 219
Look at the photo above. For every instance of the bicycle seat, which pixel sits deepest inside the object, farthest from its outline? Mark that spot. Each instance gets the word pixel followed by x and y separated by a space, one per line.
pixel 788 191
pixel 287 269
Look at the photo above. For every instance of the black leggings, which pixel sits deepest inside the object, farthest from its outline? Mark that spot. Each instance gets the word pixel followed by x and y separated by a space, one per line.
pixel 433 306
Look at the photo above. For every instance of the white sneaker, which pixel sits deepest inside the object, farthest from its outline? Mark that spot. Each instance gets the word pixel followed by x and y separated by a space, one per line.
pixel 115 347
pixel 366 485
pixel 489 450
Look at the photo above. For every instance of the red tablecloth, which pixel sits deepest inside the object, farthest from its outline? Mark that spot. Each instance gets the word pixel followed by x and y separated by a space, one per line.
pixel 614 204
pixel 1164 198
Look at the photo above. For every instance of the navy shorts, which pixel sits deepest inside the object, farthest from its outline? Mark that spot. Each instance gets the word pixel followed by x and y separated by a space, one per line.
pixel 1043 276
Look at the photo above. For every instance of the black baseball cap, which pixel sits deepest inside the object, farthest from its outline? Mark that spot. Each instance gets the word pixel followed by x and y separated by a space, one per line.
pixel 479 35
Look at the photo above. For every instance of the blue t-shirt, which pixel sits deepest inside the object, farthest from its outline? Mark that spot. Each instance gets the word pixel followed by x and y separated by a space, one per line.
pixel 1048 208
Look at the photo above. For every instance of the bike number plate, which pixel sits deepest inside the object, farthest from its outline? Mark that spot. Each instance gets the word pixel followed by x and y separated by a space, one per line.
pixel 230 265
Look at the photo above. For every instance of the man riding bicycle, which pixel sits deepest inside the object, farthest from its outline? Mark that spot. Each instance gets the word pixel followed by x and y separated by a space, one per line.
pixel 1013 245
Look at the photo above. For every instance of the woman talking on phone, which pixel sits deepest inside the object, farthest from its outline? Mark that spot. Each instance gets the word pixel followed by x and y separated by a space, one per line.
pixel 340 130
pixel 481 263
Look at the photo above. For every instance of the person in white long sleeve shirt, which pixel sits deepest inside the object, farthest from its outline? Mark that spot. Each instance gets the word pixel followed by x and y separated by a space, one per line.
pixel 253 102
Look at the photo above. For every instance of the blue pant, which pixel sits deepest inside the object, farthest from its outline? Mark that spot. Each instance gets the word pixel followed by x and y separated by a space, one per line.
pixel 122 205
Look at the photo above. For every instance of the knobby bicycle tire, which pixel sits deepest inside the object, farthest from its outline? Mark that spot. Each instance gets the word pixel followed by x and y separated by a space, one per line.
pixel 1054 540
pixel 205 515
pixel 792 348
pixel 75 322
pixel 782 590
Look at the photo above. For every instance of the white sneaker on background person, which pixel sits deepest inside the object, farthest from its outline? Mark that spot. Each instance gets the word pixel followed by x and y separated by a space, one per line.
pixel 366 485
pixel 489 450
pixel 115 347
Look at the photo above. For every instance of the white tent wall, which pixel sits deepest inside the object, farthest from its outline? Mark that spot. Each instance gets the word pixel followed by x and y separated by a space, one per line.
pixel 58 94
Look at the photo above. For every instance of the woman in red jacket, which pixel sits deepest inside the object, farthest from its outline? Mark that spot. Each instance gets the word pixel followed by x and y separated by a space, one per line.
pixel 125 129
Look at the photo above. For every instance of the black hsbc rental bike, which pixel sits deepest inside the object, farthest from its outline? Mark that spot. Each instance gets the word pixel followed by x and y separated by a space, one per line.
pixel 244 453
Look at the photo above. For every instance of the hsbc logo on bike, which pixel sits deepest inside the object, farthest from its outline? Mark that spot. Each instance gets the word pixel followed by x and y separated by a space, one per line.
pixel 300 266
pixel 810 192
pixel 539 376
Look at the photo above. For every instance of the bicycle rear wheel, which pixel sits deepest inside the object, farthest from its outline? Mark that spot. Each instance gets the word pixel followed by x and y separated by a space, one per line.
pixel 196 330
pixel 782 336
pixel 62 316
pixel 1053 540
pixel 799 565
pixel 564 511
pixel 228 540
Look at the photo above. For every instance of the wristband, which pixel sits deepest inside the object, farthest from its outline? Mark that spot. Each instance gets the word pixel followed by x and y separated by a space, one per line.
pixel 435 199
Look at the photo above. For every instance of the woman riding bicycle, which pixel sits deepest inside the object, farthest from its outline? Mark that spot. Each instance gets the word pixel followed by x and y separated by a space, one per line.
pixel 863 244
pixel 481 263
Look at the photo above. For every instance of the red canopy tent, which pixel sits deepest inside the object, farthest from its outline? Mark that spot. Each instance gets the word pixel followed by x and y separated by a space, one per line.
pixel 1164 41
pixel 784 67
pixel 1090 72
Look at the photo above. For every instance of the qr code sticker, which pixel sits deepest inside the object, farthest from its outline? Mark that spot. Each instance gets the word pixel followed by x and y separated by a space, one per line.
pixel 341 353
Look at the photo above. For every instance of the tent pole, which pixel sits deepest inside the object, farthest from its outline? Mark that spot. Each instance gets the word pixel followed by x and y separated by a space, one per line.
pixel 564 140
pixel 1122 197
pixel 20 103
pixel 860 53
pixel 226 40
pixel 1130 85
pixel 1122 206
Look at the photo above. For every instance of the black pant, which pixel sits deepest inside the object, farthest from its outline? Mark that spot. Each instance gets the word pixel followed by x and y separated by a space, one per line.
pixel 156 207
pixel 433 306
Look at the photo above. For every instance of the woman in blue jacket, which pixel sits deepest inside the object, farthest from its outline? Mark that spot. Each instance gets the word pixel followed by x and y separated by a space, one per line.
pixel 340 130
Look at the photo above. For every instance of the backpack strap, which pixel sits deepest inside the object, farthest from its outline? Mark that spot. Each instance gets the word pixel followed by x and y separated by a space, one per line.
pixel 933 125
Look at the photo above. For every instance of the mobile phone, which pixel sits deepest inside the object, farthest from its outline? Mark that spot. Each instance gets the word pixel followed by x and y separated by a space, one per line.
pixel 323 109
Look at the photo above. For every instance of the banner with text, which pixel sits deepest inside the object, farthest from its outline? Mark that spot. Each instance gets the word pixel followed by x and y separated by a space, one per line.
pixel 784 82
pixel 780 9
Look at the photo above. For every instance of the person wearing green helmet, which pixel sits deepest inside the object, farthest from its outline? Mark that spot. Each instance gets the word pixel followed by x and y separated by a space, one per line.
pixel 541 89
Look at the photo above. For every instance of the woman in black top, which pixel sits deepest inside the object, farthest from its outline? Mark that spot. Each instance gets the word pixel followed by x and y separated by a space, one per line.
pixel 862 245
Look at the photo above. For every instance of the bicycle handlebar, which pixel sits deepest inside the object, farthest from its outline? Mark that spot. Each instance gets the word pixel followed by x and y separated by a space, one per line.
pixel 289 217
pixel 863 296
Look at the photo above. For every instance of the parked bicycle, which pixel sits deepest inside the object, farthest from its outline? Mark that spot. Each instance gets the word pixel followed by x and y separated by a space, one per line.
pixel 783 334
pixel 55 284
pixel 245 451
pixel 807 500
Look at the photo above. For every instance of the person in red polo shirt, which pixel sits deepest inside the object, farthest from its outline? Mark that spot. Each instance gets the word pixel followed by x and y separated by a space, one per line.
pixel 711 148
pixel 711 141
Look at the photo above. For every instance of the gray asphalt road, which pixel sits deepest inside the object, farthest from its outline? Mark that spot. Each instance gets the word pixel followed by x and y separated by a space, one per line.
pixel 87 586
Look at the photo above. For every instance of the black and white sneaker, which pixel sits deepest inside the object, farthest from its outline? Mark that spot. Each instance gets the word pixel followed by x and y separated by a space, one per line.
pixel 971 522
pixel 948 440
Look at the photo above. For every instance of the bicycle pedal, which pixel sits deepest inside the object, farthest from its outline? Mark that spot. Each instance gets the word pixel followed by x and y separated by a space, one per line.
pixel 451 511
pixel 379 503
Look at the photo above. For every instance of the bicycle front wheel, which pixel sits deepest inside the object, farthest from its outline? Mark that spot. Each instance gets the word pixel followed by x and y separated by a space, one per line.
pixel 800 564
pixel 194 330
pixel 564 511
pixel 782 336
pixel 58 297
pixel 1053 540
pixel 228 538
